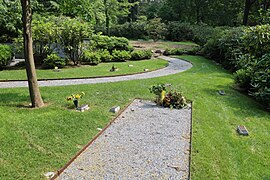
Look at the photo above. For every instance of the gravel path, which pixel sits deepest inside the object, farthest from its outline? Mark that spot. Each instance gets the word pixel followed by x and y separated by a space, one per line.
pixel 175 66
pixel 145 142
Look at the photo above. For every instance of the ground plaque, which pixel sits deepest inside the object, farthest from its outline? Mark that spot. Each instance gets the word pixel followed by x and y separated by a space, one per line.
pixel 242 130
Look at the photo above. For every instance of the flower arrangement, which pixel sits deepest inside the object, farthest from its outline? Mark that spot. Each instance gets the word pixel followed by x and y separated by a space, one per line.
pixel 75 98
pixel 168 99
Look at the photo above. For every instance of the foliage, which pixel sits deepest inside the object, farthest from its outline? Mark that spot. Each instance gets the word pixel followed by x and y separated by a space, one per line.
pixel 242 78
pixel 5 55
pixel 53 60
pixel 157 89
pixel 175 100
pixel 168 99
pixel 177 31
pixel 105 55
pixel 91 57
pixel 180 51
pixel 141 54
pixel 256 40
pixel 72 34
pixel 131 30
pixel 10 20
pixel 156 29
pixel 109 43
pixel 45 35
pixel 260 79
pixel 121 55
pixel 225 47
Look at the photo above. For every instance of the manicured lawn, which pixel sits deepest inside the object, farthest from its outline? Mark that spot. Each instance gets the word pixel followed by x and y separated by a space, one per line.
pixel 35 141
pixel 102 69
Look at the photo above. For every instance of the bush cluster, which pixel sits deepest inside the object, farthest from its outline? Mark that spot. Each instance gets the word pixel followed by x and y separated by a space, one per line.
pixel 109 43
pixel 179 51
pixel 53 60
pixel 5 55
pixel 141 54
pixel 245 51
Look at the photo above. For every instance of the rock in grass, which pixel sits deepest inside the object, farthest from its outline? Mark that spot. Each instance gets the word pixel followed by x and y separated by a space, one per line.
pixel 49 175
pixel 221 92
pixel 242 130
pixel 115 109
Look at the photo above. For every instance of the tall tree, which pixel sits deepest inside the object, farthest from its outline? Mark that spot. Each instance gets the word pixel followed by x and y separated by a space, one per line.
pixel 29 58
pixel 248 4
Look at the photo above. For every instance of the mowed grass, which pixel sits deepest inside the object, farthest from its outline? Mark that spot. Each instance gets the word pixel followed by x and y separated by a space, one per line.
pixel 102 69
pixel 35 141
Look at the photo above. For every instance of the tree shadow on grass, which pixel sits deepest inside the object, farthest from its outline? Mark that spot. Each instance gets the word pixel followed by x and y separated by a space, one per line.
pixel 241 104
pixel 14 100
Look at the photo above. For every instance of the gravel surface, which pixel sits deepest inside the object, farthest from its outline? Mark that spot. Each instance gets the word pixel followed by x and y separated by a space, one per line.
pixel 145 142
pixel 175 66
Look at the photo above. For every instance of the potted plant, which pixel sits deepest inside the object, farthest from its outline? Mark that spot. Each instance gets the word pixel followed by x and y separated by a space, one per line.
pixel 75 98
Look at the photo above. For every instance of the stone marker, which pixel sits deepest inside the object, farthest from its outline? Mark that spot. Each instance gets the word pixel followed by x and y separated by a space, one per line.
pixel 130 65
pixel 115 109
pixel 242 130
pixel 146 69
pixel 56 70
pixel 99 129
pixel 221 92
pixel 49 175
pixel 83 108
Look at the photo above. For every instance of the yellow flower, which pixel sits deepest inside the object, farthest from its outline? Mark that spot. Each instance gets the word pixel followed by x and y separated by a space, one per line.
pixel 77 96
pixel 69 98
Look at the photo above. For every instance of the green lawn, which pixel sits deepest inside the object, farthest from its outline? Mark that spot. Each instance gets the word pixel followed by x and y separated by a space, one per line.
pixel 35 141
pixel 102 69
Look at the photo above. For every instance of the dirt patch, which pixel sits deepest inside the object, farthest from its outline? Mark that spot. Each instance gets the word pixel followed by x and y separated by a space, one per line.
pixel 157 45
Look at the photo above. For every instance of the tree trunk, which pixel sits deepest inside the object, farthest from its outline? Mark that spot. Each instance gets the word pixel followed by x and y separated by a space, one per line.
pixel 107 18
pixel 29 58
pixel 248 5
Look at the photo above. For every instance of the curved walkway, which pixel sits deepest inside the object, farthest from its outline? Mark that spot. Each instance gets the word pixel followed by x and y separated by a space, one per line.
pixel 175 66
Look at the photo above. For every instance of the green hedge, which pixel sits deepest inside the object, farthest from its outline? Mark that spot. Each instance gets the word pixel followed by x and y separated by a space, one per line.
pixel 5 55
pixel 141 54
pixel 53 60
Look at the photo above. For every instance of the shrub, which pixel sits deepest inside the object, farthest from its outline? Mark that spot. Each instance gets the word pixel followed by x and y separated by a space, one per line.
pixel 131 30
pixel 156 29
pixel 260 79
pixel 5 55
pixel 242 78
pixel 91 57
pixel 105 55
pixel 121 55
pixel 45 35
pixel 179 51
pixel 256 40
pixel 225 47
pixel 177 31
pixel 109 43
pixel 141 54
pixel 72 34
pixel 53 60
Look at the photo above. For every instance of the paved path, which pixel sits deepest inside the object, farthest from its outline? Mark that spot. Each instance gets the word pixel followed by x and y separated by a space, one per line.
pixel 145 142
pixel 175 66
